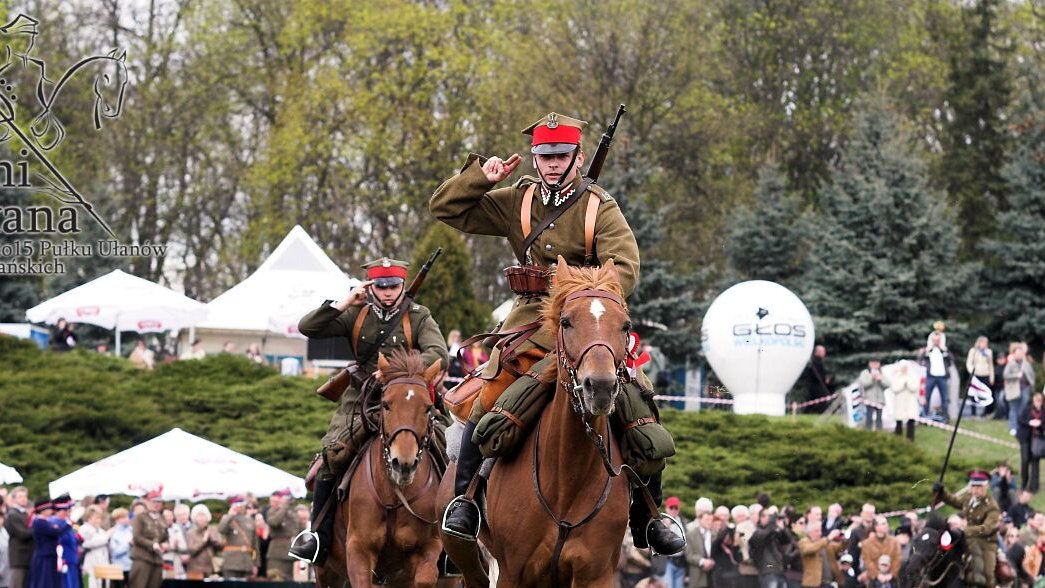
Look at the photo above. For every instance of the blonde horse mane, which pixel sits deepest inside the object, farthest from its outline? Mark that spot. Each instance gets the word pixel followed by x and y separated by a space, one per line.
pixel 404 364
pixel 574 279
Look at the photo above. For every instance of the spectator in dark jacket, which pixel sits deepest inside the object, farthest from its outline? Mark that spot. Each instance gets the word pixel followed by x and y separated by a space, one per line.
pixel 62 336
pixel 1021 511
pixel 726 556
pixel 20 548
pixel 1031 428
pixel 766 550
pixel 1004 485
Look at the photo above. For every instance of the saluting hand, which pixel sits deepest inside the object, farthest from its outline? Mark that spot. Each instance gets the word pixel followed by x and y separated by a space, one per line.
pixel 357 297
pixel 497 169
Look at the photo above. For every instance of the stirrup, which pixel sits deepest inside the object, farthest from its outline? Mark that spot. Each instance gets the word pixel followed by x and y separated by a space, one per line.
pixel 676 524
pixel 294 543
pixel 455 503
pixel 447 568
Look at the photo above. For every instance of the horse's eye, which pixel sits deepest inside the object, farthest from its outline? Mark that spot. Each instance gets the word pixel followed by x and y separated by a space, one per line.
pixel 564 322
pixel 627 327
pixel 385 406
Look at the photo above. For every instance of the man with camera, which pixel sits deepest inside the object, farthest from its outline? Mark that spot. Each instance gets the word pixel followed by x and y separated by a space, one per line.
pixel 373 318
pixel 766 545
pixel 873 384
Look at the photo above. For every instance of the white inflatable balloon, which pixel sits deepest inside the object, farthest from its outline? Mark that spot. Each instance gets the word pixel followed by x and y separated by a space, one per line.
pixel 758 337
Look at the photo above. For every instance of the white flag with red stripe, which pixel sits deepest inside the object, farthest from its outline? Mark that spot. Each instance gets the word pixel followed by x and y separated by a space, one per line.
pixel 980 393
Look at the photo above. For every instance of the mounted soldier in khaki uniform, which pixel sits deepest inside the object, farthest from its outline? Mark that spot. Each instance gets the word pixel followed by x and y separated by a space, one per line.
pixel 590 233
pixel 982 519
pixel 373 319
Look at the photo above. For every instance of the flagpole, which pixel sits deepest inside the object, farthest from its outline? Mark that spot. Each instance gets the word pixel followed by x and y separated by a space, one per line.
pixel 950 446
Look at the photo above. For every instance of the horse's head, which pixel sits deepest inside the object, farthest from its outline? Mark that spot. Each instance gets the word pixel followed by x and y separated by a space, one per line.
pixel 406 412
pixel 587 311
pixel 110 82
pixel 935 556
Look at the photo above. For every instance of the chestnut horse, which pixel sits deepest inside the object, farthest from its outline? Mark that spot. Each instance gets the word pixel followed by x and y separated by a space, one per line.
pixel 387 524
pixel 555 516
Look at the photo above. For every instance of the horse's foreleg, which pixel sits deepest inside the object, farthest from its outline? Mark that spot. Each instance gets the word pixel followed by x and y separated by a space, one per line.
pixel 426 565
pixel 361 564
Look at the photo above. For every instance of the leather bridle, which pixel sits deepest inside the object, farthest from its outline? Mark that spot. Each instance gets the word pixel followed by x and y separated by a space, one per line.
pixel 570 365
pixel 423 441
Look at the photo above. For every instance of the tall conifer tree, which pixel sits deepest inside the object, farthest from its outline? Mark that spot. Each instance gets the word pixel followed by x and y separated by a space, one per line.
pixel 884 263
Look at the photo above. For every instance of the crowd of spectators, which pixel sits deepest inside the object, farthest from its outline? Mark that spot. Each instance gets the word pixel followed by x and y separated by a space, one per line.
pixel 765 546
pixel 145 355
pixel 60 543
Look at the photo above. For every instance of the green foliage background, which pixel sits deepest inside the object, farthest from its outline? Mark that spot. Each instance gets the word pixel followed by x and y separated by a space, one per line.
pixel 64 411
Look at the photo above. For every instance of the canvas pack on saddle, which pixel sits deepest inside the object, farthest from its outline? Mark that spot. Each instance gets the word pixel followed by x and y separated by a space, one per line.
pixel 645 443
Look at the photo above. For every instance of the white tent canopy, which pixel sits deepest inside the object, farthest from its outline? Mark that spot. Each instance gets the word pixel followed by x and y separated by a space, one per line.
pixel 295 279
pixel 9 475
pixel 119 300
pixel 184 466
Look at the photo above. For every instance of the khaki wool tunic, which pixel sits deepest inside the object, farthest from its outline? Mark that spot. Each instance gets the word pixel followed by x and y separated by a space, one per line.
pixel 468 202
pixel 327 321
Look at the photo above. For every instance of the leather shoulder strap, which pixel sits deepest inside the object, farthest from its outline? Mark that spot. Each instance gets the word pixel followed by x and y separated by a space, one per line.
pixel 590 214
pixel 554 214
pixel 357 328
pixel 407 333
pixel 524 210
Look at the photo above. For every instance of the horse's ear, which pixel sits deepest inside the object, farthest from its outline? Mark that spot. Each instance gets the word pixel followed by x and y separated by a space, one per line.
pixel 382 362
pixel 432 372
pixel 611 269
pixel 562 268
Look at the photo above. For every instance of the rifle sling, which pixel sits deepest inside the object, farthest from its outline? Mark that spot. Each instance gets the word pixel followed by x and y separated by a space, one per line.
pixel 554 214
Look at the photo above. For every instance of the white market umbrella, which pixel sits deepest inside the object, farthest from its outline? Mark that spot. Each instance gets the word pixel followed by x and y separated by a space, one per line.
pixel 123 302
pixel 9 475
pixel 183 466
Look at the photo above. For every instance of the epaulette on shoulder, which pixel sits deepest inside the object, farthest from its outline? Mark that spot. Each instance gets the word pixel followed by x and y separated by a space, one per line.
pixel 600 192
pixel 526 181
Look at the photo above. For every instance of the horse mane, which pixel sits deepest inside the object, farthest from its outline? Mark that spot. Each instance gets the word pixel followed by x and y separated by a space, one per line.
pixel 404 363
pixel 573 280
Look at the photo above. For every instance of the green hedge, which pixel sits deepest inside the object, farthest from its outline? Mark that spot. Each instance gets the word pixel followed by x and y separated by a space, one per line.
pixel 731 458
pixel 61 412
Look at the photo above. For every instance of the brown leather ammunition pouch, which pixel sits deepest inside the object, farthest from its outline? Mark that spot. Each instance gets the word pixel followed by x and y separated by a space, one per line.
pixel 528 280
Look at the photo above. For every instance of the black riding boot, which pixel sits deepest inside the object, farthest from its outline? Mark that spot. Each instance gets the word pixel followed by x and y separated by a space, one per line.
pixel 461 518
pixel 313 547
pixel 661 539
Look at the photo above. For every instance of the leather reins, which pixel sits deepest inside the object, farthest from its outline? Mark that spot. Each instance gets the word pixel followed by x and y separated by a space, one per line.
pixel 423 442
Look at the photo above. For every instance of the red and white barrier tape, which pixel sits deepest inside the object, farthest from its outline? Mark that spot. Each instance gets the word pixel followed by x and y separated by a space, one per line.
pixel 950 428
pixel 703 400
pixel 698 399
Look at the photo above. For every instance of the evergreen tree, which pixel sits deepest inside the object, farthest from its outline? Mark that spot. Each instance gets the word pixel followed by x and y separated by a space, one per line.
pixel 17 293
pixel 1017 272
pixel 769 240
pixel 883 266
pixel 448 289
pixel 662 307
pixel 975 138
